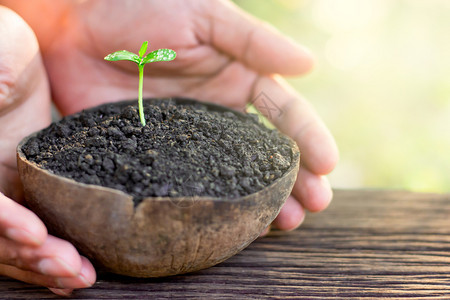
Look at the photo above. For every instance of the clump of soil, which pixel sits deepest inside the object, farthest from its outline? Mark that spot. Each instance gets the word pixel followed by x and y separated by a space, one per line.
pixel 186 149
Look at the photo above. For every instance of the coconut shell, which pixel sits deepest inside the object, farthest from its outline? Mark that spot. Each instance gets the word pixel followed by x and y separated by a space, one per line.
pixel 162 235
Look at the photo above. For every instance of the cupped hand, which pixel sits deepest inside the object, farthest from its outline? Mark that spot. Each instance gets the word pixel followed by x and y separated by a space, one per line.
pixel 223 55
pixel 27 252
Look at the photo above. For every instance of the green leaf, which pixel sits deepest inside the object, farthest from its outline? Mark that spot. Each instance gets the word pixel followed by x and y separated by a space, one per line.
pixel 143 49
pixel 159 55
pixel 123 55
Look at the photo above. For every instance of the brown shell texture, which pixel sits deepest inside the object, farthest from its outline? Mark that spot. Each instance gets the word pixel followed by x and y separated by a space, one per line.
pixel 162 236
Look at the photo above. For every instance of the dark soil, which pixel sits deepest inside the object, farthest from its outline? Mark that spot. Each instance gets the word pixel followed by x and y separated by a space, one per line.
pixel 189 149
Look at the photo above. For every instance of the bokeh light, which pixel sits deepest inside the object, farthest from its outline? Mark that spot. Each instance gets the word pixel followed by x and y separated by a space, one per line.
pixel 382 85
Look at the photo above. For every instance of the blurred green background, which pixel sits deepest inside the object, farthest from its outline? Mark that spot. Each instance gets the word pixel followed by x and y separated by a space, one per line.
pixel 381 84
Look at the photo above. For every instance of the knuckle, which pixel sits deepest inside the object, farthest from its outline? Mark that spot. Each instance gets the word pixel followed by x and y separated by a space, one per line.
pixel 9 253
pixel 7 98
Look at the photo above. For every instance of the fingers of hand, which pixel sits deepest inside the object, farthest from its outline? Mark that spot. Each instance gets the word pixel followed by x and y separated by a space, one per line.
pixel 254 42
pixel 55 257
pixel 59 285
pixel 294 116
pixel 291 215
pixel 319 155
pixel 312 191
pixel 20 224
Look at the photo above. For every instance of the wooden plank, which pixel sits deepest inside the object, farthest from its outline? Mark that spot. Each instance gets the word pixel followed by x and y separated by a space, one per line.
pixel 367 244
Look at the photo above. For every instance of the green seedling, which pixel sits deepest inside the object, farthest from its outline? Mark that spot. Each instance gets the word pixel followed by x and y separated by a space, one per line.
pixel 141 60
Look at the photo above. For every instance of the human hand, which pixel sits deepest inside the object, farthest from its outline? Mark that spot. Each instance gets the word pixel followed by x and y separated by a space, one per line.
pixel 27 252
pixel 224 55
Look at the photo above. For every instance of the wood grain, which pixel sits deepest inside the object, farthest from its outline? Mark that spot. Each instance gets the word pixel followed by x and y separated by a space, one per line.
pixel 366 245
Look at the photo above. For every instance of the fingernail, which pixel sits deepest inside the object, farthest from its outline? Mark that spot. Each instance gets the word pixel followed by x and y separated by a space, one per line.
pixel 78 282
pixel 61 292
pixel 84 274
pixel 21 236
pixel 55 267
pixel 85 281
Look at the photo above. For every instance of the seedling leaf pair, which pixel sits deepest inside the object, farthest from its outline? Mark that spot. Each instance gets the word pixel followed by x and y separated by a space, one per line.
pixel 157 55
pixel 141 60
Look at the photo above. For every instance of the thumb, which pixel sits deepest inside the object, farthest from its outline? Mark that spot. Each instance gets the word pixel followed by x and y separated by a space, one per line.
pixel 24 107
pixel 255 43
pixel 24 94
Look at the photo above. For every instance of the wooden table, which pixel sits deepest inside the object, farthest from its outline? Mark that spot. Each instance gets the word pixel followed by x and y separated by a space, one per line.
pixel 367 244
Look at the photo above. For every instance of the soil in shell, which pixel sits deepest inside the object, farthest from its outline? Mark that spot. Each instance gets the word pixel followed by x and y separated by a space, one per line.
pixel 184 150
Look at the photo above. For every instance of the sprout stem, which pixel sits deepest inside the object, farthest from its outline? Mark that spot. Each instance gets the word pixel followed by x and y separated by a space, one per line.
pixel 141 105
pixel 141 60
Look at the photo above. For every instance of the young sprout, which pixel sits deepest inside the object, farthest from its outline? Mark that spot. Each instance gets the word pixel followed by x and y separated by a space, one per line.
pixel 141 60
